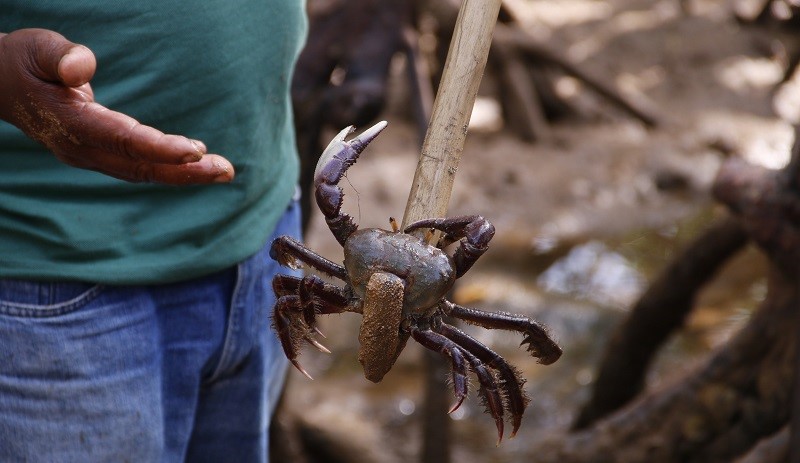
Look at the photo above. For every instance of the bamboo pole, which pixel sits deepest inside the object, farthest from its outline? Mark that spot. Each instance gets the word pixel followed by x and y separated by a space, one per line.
pixel 447 130
pixel 438 164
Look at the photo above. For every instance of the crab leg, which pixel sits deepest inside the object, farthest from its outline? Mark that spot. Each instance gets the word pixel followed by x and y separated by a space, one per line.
pixel 476 230
pixel 294 316
pixel 488 391
pixel 438 343
pixel 287 331
pixel 332 164
pixel 511 380
pixel 316 296
pixel 540 345
pixel 290 252
pixel 328 299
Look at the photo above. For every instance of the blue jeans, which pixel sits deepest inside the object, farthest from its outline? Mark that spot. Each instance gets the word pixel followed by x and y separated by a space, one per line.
pixel 189 371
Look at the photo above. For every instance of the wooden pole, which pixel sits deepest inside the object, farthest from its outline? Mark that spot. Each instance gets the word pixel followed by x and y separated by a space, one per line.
pixel 444 141
pixel 438 164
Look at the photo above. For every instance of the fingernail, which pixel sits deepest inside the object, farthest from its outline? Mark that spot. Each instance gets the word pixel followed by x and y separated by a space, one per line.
pixel 199 146
pixel 223 178
pixel 73 68
pixel 199 151
pixel 225 175
pixel 192 157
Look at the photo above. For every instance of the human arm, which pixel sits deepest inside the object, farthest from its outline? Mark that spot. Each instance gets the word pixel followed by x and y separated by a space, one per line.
pixel 45 92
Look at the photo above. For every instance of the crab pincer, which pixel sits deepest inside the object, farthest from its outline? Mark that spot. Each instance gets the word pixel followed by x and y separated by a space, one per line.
pixel 332 164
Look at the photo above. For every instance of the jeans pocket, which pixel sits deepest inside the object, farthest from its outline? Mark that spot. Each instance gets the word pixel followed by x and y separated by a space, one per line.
pixel 35 299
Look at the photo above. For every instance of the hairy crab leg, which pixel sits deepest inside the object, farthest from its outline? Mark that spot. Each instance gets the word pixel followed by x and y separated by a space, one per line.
pixel 476 230
pixel 318 297
pixel 286 332
pixel 511 380
pixel 300 300
pixel 290 252
pixel 540 345
pixel 333 300
pixel 332 164
pixel 438 343
pixel 488 391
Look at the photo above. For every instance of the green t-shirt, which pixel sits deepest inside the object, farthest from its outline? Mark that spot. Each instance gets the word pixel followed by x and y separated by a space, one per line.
pixel 214 70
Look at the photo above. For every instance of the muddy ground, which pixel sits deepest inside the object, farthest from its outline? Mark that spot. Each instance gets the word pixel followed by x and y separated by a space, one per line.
pixel 583 220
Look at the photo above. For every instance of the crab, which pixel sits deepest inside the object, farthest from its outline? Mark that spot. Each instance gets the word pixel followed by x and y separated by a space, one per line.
pixel 398 282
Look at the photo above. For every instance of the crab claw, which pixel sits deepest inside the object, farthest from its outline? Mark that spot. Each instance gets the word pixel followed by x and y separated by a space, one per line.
pixel 345 151
pixel 332 164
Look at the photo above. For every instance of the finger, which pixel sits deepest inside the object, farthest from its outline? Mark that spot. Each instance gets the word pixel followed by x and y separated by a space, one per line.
pixel 211 168
pixel 56 59
pixel 77 67
pixel 116 133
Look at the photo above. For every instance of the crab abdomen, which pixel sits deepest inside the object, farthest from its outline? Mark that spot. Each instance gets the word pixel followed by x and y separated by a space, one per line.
pixel 427 272
pixel 380 338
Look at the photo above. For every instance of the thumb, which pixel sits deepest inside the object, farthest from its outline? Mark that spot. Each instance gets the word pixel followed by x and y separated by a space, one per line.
pixel 77 66
pixel 56 59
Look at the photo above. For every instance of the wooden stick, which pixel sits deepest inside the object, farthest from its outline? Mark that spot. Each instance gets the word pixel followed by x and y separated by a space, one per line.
pixel 444 141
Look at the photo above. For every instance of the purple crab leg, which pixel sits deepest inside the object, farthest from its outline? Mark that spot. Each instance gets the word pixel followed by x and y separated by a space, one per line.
pixel 332 164
pixel 488 391
pixel 300 300
pixel 325 298
pixel 476 230
pixel 438 343
pixel 287 333
pixel 540 345
pixel 511 380
pixel 290 252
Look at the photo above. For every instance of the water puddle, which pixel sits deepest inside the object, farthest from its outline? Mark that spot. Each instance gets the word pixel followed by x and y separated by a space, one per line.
pixel 594 272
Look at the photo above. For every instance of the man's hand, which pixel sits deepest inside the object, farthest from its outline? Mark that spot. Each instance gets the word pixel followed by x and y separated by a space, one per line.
pixel 46 93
